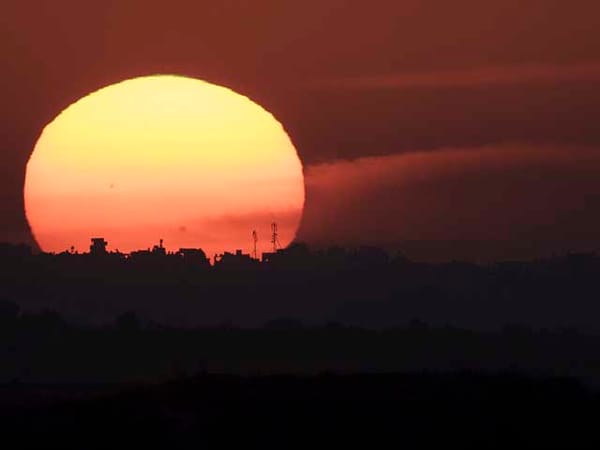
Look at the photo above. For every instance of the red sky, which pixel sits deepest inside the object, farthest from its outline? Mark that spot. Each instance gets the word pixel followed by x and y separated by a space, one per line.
pixel 495 99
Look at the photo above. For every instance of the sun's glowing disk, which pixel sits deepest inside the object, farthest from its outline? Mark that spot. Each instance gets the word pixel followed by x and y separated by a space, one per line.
pixel 163 157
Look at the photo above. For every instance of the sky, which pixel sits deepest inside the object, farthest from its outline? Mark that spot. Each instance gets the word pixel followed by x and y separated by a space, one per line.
pixel 445 130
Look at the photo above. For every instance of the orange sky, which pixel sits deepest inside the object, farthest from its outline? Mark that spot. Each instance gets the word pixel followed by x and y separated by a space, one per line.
pixel 349 80
pixel 163 157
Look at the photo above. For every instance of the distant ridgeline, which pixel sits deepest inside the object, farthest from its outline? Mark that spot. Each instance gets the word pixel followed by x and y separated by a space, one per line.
pixel 43 348
pixel 361 287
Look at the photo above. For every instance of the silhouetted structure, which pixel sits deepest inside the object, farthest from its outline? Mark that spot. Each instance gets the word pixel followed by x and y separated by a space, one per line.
pixel 159 249
pixel 237 260
pixel 295 256
pixel 254 241
pixel 156 252
pixel 194 257
pixel 98 246
pixel 275 237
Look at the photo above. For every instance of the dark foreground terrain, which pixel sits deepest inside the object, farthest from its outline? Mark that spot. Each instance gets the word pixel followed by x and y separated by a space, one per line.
pixel 450 356
pixel 460 410
pixel 363 288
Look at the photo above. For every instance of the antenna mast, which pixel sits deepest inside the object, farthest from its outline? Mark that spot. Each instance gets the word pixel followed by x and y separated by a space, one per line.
pixel 255 240
pixel 275 237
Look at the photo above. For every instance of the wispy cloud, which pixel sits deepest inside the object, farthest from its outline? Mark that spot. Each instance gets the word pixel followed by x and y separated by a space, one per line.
pixel 493 202
pixel 480 76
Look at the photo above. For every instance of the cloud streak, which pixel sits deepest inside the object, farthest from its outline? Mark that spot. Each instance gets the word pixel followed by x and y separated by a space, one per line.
pixel 480 76
pixel 494 202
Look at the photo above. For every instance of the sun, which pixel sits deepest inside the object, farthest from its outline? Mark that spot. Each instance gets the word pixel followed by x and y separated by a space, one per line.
pixel 163 157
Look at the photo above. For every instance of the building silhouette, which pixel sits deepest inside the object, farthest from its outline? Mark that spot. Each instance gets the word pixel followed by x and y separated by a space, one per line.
pixel 237 260
pixel 193 257
pixel 98 246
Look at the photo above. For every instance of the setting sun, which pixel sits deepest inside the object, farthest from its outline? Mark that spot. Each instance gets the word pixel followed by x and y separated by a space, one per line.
pixel 163 157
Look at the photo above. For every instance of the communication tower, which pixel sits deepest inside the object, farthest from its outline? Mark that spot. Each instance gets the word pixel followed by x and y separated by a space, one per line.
pixel 275 237
pixel 255 241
